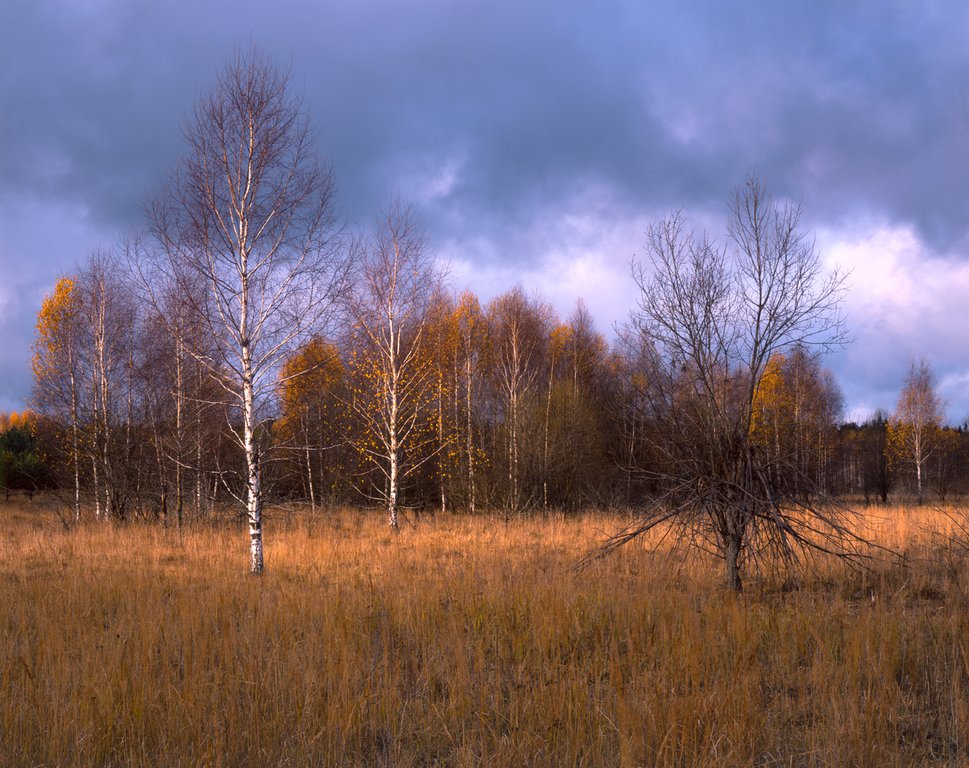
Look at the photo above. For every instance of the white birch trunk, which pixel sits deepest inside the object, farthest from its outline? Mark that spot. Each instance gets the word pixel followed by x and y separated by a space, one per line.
pixel 198 453
pixel 470 439
pixel 440 441
pixel 394 468
pixel 309 462
pixel 103 398
pixel 253 490
pixel 75 448
pixel 548 415
pixel 179 399
pixel 919 459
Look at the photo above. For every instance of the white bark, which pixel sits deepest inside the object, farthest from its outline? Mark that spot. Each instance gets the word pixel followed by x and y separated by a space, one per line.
pixel 309 463
pixel 253 490
pixel 470 435
pixel 442 471
pixel 75 443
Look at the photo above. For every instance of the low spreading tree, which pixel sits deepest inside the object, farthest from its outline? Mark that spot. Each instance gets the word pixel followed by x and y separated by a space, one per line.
pixel 711 316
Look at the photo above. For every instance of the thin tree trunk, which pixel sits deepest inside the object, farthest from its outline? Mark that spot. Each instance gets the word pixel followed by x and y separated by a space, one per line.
pixel 309 463
pixel 514 452
pixel 179 431
pixel 442 455
pixel 732 556
pixel 75 449
pixel 918 481
pixel 160 464
pixel 392 500
pixel 95 449
pixel 104 398
pixel 548 414
pixel 198 450
pixel 470 439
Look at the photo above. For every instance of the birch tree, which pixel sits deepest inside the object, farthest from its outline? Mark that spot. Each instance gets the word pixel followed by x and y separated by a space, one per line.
pixel 518 330
pixel 442 345
pixel 394 383
pixel 248 215
pixel 796 408
pixel 915 429
pixel 469 353
pixel 111 319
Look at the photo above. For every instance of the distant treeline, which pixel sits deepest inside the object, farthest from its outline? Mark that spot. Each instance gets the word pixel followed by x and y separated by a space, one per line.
pixel 502 406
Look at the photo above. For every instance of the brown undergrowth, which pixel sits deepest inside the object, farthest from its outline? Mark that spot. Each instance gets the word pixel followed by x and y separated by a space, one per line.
pixel 467 641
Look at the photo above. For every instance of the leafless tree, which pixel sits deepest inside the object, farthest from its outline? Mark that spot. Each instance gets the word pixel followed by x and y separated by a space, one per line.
pixel 469 350
pixel 393 370
pixel 710 316
pixel 518 330
pixel 84 376
pixel 249 217
pixel 915 429
pixel 112 318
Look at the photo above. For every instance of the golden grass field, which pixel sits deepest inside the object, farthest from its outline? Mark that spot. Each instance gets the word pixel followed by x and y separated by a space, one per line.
pixel 466 642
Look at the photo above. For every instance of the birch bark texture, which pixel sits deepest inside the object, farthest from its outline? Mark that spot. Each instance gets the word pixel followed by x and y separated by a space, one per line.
pixel 249 216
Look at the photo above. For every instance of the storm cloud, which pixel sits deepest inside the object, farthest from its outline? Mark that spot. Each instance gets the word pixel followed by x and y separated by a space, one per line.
pixel 537 139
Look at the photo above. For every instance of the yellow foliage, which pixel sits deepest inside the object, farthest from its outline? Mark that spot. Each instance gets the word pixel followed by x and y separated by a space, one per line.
pixel 306 380
pixel 14 420
pixel 55 325
pixel 770 399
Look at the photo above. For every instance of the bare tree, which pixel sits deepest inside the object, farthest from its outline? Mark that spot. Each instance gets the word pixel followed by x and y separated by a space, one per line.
pixel 915 429
pixel 470 351
pixel 249 216
pixel 394 373
pixel 711 315
pixel 518 330
pixel 112 319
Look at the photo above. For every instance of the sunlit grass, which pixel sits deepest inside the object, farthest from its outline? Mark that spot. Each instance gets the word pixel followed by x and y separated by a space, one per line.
pixel 465 641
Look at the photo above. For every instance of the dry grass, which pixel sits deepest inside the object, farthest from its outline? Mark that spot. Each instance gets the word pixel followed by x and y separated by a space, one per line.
pixel 466 642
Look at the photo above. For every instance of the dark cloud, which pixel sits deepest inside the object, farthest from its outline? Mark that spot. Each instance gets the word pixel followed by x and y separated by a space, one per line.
pixel 501 118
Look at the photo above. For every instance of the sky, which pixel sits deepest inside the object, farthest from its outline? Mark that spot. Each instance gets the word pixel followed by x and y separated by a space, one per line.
pixel 538 140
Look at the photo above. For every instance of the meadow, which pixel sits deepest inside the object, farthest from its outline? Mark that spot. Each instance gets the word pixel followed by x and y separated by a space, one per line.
pixel 465 641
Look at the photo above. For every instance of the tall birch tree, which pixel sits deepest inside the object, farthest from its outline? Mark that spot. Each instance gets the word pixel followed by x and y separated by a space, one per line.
pixel 249 215
pixel 394 371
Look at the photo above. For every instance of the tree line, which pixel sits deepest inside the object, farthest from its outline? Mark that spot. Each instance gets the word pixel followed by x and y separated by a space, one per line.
pixel 248 347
